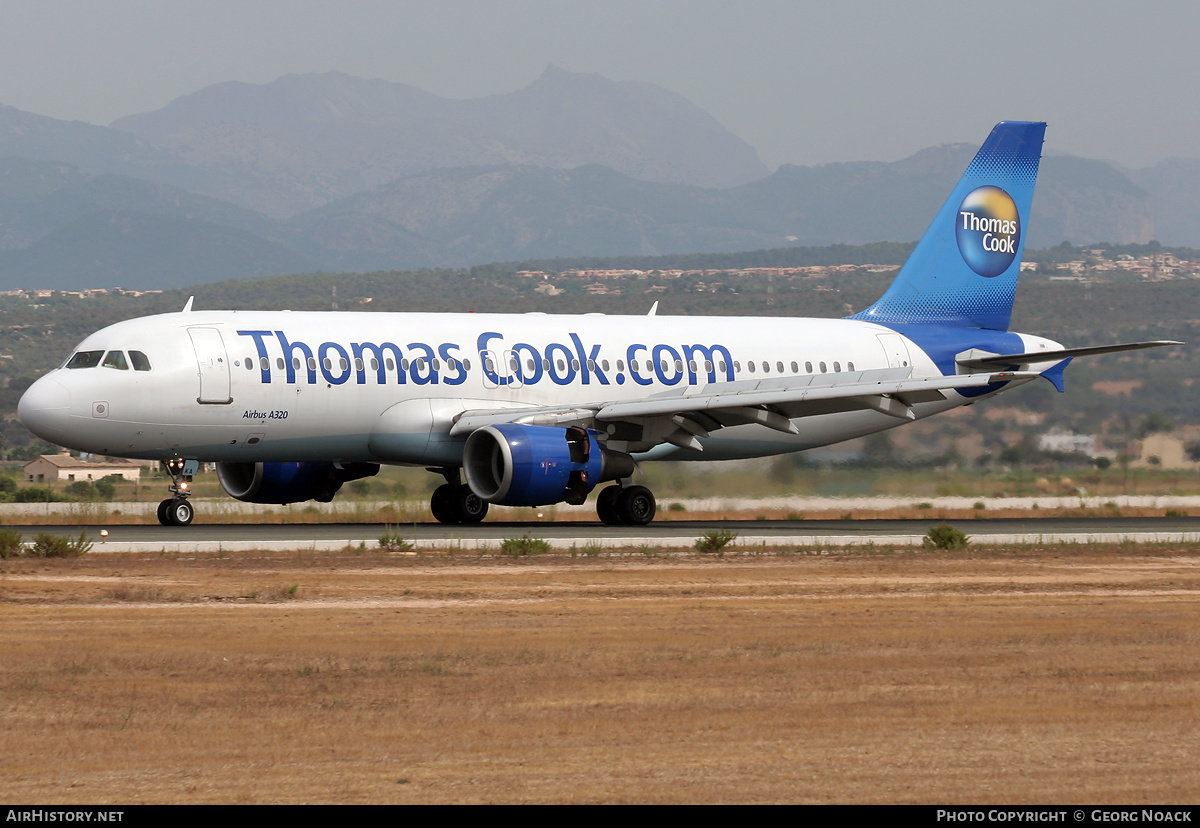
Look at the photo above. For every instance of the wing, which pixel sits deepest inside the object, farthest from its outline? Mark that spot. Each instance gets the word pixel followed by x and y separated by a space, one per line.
pixel 682 416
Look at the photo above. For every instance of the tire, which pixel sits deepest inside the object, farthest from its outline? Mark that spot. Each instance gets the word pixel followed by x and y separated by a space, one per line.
pixel 468 506
pixel 442 504
pixel 180 513
pixel 637 506
pixel 163 517
pixel 606 506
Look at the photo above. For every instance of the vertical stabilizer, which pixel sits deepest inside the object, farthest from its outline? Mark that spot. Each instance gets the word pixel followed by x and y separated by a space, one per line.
pixel 964 270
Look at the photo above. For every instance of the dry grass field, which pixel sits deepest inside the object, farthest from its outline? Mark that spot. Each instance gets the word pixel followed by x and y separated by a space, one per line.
pixel 991 676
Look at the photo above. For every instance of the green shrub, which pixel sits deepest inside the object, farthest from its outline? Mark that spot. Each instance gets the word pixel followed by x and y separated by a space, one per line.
pixel 715 540
pixel 55 546
pixel 37 494
pixel 524 545
pixel 11 543
pixel 945 536
pixel 392 541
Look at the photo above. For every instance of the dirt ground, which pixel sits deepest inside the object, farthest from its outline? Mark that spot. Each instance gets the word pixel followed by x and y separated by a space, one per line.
pixel 1048 675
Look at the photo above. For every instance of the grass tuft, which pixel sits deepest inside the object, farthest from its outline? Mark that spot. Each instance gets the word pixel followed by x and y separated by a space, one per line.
pixel 714 541
pixel 945 536
pixel 524 545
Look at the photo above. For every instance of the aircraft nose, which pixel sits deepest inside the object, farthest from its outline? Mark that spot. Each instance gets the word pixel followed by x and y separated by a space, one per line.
pixel 45 409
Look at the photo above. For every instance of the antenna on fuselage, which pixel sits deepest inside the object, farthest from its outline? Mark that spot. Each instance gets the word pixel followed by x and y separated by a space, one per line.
pixel 188 307
pixel 653 309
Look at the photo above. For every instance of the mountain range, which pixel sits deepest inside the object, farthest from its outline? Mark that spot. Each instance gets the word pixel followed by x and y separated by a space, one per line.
pixel 330 172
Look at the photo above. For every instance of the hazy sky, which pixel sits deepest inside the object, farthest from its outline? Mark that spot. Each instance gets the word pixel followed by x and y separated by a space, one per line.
pixel 804 82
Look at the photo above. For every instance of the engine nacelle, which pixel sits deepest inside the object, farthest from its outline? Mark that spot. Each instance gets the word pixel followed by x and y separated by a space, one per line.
pixel 527 465
pixel 289 482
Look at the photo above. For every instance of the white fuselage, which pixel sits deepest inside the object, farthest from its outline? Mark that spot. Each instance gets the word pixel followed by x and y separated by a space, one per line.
pixel 386 387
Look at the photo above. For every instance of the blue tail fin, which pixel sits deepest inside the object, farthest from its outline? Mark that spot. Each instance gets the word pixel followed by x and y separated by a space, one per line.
pixel 964 270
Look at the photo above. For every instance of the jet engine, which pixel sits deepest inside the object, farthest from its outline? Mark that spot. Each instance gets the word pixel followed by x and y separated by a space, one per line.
pixel 289 482
pixel 528 465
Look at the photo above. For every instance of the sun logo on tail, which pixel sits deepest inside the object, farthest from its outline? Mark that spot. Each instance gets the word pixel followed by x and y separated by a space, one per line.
pixel 988 229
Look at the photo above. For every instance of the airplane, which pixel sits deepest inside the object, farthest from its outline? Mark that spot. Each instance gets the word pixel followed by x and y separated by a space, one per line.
pixel 535 409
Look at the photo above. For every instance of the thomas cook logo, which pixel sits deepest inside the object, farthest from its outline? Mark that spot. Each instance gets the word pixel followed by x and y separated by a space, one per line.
pixel 988 229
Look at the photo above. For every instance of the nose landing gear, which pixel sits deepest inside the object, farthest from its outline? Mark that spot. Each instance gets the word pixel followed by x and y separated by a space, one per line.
pixel 176 510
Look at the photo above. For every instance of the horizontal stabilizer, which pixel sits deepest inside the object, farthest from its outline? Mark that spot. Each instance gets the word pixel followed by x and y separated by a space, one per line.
pixel 1017 360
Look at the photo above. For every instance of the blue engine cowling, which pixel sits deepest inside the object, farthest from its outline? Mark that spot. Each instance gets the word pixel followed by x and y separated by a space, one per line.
pixel 289 482
pixel 527 465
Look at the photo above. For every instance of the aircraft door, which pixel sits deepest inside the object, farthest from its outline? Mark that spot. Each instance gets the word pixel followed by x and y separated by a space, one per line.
pixel 512 363
pixel 213 365
pixel 501 369
pixel 895 349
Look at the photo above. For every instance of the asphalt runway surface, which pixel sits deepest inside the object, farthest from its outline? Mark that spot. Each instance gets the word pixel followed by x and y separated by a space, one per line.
pixel 672 533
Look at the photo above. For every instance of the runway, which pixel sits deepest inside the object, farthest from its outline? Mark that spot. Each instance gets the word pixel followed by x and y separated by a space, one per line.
pixel 674 534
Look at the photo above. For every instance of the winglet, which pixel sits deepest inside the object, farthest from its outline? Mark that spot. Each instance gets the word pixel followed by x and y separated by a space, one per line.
pixel 653 308
pixel 188 307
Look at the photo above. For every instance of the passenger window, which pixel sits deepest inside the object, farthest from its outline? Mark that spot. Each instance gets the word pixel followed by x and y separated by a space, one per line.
pixel 808 367
pixel 116 359
pixel 85 359
pixel 295 363
pixel 264 363
pixel 278 361
pixel 140 361
pixel 766 367
pixel 837 367
pixel 620 365
pixel 822 367
pixel 750 367
pixel 849 366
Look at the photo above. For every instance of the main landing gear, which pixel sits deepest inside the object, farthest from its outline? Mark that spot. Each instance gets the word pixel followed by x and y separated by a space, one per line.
pixel 454 502
pixel 176 510
pixel 626 505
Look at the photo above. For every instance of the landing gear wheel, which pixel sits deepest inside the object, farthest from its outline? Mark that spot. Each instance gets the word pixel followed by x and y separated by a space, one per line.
pixel 177 512
pixel 636 505
pixel 607 506
pixel 162 512
pixel 442 504
pixel 468 506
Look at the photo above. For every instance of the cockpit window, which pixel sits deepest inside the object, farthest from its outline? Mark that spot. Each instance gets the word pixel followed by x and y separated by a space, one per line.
pixel 140 361
pixel 116 359
pixel 85 359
